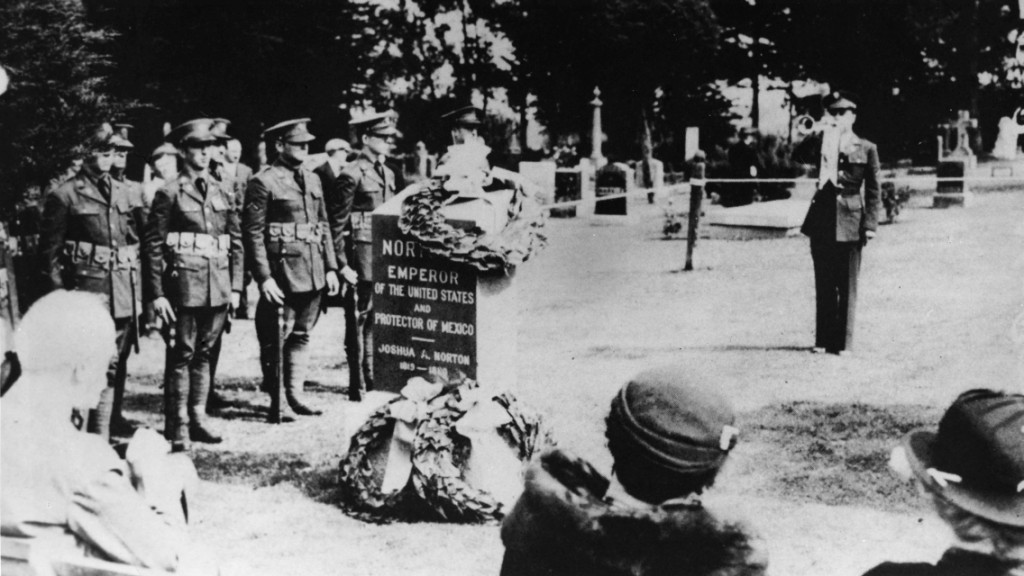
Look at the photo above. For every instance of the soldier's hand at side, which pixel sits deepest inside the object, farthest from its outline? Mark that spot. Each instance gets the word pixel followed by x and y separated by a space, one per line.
pixel 164 310
pixel 865 236
pixel 349 275
pixel 236 300
pixel 333 285
pixel 271 292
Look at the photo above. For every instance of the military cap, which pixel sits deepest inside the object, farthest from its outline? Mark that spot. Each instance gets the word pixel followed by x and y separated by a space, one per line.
pixel 220 129
pixel 840 100
pixel 198 130
pixel 379 124
pixel 468 116
pixel 120 137
pixel 101 137
pixel 165 149
pixel 290 131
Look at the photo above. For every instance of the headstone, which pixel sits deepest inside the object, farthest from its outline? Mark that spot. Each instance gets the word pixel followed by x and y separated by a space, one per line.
pixel 692 143
pixel 951 188
pixel 435 316
pixel 588 175
pixel 613 179
pixel 568 187
pixel 1006 143
pixel 543 175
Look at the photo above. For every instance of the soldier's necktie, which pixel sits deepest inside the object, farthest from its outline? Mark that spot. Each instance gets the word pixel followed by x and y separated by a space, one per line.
pixel 300 180
pixel 379 167
pixel 201 186
pixel 104 186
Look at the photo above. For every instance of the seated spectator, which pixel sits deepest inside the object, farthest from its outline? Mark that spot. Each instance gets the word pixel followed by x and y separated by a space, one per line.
pixel 69 489
pixel 669 435
pixel 973 471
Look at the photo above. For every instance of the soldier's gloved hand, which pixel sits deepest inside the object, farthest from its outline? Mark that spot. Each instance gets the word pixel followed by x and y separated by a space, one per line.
pixel 272 292
pixel 333 285
pixel 349 275
pixel 236 300
pixel 865 236
pixel 162 307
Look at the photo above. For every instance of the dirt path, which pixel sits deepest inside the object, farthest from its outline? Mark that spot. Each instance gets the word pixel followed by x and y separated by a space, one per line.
pixel 939 294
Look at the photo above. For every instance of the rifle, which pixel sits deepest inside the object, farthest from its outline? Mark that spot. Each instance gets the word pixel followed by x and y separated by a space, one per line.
pixel 135 308
pixel 275 387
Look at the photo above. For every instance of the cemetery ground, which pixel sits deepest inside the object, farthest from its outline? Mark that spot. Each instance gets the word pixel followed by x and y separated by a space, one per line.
pixel 939 295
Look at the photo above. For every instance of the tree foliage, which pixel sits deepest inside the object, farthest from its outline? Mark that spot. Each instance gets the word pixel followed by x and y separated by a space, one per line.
pixel 58 63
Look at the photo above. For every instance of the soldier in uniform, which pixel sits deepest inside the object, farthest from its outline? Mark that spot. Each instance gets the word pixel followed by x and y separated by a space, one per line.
pixel 364 185
pixel 89 240
pixel 292 255
pixel 842 217
pixel 194 243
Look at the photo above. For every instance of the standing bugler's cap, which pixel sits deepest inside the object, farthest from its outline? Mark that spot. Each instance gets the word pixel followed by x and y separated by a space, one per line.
pixel 840 100
pixel 220 129
pixel 378 124
pixel 120 137
pixel 193 131
pixel 290 131
pixel 976 458
pixel 467 116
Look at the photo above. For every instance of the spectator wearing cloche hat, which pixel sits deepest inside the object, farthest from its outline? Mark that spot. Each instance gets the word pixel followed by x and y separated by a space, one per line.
pixel 291 249
pixel 669 435
pixel 972 467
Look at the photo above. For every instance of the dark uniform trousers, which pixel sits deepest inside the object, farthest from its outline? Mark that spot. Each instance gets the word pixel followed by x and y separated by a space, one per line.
pixel 194 242
pixel 837 221
pixel 364 185
pixel 89 240
pixel 287 238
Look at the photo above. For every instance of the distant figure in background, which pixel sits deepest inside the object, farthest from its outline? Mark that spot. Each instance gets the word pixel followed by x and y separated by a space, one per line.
pixel 423 162
pixel 89 240
pixel 68 489
pixel 164 161
pixel 972 468
pixel 669 435
pixel 744 163
pixel 842 218
pixel 241 173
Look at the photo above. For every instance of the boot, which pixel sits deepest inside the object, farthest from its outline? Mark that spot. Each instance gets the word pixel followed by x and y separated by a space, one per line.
pixel 215 403
pixel 198 433
pixel 295 361
pixel 176 406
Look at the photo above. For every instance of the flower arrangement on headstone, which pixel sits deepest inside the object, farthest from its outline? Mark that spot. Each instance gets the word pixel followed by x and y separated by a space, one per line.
pixel 442 451
pixel 466 176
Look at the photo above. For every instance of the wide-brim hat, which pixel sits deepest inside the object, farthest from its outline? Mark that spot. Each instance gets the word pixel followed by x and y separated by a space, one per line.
pixel 976 458
pixel 290 131
pixel 220 129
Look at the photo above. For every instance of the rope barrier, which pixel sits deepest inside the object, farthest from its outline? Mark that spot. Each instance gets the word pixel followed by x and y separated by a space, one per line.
pixel 701 182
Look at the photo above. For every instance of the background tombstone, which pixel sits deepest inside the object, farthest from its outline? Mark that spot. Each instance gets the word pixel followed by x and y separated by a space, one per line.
pixel 951 187
pixel 435 316
pixel 568 187
pixel 615 178
pixel 543 175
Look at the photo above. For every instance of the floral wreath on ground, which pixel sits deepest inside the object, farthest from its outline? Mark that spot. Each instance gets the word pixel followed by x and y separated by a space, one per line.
pixel 435 490
pixel 500 251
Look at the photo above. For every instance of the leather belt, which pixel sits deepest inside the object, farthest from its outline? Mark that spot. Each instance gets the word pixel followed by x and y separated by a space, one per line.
pixel 198 243
pixel 121 258
pixel 310 233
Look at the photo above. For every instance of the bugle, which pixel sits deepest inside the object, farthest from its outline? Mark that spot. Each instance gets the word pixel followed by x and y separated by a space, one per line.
pixel 807 125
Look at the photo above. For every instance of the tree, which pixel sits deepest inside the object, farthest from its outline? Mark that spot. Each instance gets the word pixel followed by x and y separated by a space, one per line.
pixel 59 65
pixel 645 55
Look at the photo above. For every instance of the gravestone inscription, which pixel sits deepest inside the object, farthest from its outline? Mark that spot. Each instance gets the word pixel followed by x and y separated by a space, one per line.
pixel 611 180
pixel 425 310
